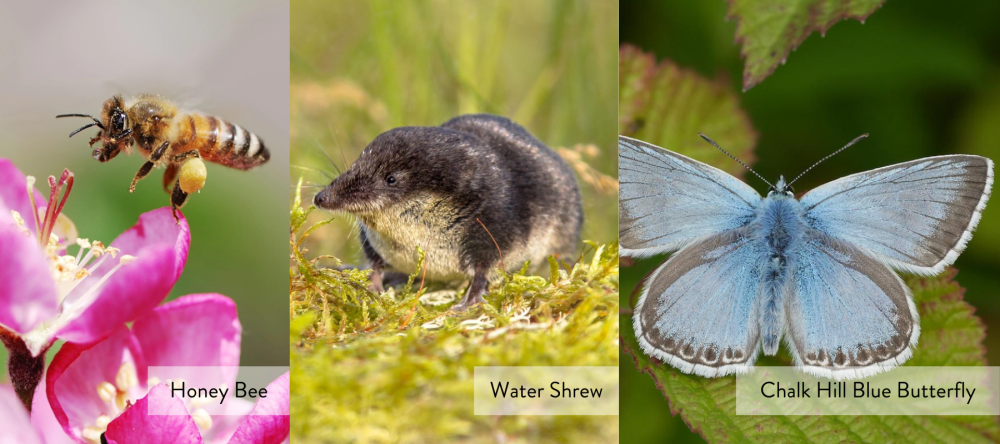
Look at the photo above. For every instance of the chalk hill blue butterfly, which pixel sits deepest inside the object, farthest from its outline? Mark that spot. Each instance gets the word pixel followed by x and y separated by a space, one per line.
pixel 747 271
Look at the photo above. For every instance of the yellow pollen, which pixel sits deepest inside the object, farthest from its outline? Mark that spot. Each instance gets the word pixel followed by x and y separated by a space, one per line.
pixel 17 218
pixel 202 419
pixel 103 421
pixel 192 175
pixel 126 259
pixel 106 391
pixel 92 434
pixel 83 243
pixel 81 273
pixel 126 377
pixel 120 400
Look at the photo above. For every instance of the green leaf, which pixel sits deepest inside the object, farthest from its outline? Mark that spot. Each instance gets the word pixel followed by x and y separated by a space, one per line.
pixel 950 335
pixel 668 106
pixel 770 29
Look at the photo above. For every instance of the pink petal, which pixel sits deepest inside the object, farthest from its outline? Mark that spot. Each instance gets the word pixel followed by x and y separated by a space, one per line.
pixel 160 246
pixel 194 330
pixel 199 330
pixel 136 426
pixel 269 422
pixel 14 423
pixel 77 370
pixel 14 195
pixel 27 291
pixel 44 421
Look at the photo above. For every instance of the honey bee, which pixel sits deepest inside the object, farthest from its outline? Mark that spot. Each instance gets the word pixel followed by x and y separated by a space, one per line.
pixel 177 139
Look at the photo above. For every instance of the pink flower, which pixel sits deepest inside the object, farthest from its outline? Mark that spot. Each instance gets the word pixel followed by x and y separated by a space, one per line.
pixel 14 423
pixel 100 388
pixel 47 294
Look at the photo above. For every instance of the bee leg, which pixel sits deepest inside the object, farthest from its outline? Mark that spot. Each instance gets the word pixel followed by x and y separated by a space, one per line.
pixel 148 166
pixel 177 200
pixel 185 155
pixel 168 176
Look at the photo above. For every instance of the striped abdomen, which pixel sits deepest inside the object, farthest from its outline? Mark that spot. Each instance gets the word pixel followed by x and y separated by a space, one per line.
pixel 219 141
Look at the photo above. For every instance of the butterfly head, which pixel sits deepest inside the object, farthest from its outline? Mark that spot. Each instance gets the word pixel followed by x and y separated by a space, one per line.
pixel 781 188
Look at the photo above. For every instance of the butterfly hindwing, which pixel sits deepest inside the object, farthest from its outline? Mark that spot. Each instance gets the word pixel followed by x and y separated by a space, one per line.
pixel 915 216
pixel 848 315
pixel 668 200
pixel 698 311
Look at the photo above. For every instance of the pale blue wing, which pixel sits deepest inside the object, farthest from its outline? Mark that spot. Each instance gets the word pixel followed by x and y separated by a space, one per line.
pixel 666 200
pixel 847 315
pixel 698 311
pixel 915 216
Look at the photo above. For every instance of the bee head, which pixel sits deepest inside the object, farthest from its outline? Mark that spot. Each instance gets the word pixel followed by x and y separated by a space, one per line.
pixel 116 132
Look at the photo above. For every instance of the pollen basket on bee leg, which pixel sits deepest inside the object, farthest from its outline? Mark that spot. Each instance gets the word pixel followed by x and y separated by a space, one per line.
pixel 192 175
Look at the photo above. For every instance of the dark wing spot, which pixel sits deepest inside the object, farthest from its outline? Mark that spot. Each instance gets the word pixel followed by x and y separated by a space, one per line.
pixel 863 353
pixel 840 359
pixel 710 354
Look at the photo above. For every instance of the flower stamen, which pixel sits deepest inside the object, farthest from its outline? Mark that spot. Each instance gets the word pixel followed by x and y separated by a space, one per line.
pixel 31 197
pixel 126 378
pixel 106 391
pixel 55 202
pixel 202 419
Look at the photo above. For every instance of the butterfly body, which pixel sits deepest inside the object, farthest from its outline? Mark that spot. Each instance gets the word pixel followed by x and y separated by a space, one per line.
pixel 779 229
pixel 747 272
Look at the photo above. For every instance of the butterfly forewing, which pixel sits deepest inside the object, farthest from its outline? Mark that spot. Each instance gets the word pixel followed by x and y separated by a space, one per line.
pixel 848 315
pixel 698 310
pixel 915 216
pixel 668 200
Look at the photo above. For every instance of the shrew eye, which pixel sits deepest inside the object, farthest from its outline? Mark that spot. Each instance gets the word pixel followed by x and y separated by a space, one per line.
pixel 390 179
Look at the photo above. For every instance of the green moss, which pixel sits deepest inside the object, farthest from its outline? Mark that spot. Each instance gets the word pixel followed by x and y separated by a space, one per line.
pixel 393 367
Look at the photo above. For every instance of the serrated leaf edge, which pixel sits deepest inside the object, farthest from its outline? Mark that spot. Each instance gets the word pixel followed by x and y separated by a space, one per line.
pixel 748 81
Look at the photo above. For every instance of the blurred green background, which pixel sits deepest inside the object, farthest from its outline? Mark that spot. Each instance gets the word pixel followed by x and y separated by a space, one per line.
pixel 227 60
pixel 921 77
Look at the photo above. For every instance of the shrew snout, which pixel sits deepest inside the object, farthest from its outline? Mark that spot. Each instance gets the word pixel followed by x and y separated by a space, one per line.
pixel 349 192
pixel 328 199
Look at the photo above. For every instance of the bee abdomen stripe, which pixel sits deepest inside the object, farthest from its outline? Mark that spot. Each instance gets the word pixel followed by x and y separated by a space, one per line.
pixel 239 139
pixel 213 132
pixel 254 146
pixel 193 130
pixel 247 137
pixel 227 141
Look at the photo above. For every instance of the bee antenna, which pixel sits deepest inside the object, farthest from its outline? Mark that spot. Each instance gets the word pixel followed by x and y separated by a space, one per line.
pixel 81 129
pixel 96 123
pixel 856 139
pixel 734 158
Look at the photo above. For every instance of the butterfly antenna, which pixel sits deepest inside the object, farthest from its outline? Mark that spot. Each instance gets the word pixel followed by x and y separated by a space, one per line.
pixel 734 158
pixel 856 139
